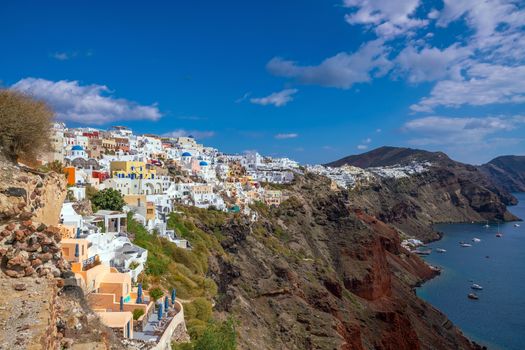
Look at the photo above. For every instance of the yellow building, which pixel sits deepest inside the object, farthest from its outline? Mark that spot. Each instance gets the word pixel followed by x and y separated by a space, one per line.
pixel 131 170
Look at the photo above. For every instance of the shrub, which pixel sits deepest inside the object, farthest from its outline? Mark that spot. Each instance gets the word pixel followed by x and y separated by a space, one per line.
pixel 25 126
pixel 156 293
pixel 218 336
pixel 108 199
pixel 137 313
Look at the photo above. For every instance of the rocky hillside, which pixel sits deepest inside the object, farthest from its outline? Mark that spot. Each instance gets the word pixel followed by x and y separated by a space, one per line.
pixel 320 273
pixel 507 171
pixel 387 156
pixel 40 306
pixel 448 192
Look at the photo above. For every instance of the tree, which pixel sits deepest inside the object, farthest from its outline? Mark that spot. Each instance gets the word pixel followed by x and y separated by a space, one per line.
pixel 25 126
pixel 108 199
pixel 156 293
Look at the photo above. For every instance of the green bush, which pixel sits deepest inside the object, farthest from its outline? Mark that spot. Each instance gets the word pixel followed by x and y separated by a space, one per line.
pixel 137 313
pixel 108 199
pixel 156 293
pixel 218 336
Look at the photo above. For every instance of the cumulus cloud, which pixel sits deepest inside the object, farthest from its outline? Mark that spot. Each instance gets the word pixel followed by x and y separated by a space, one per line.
pixel 198 134
pixel 485 84
pixel 438 130
pixel 286 136
pixel 387 18
pixel 86 104
pixel 431 63
pixel 277 99
pixel 362 147
pixel 339 71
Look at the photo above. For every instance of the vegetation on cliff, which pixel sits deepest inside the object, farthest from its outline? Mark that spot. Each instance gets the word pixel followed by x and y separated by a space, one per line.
pixel 25 126
pixel 169 266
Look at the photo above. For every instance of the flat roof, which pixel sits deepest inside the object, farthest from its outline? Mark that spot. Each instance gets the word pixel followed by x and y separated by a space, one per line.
pixel 115 319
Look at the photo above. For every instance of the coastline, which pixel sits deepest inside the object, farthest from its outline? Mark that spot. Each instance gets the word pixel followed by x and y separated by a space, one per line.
pixel 477 340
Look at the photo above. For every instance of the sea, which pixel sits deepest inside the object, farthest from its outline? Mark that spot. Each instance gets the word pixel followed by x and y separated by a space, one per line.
pixel 497 318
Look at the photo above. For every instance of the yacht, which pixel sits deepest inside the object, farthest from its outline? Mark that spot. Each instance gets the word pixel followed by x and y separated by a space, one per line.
pixel 476 286
pixel 441 250
pixel 476 240
pixel 516 225
pixel 465 245
pixel 487 224
pixel 498 233
pixel 473 296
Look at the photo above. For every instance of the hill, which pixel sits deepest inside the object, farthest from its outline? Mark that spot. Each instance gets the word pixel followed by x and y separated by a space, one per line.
pixel 507 171
pixel 388 156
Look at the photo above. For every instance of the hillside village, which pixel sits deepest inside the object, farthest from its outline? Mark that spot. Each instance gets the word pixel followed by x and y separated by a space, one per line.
pixel 154 175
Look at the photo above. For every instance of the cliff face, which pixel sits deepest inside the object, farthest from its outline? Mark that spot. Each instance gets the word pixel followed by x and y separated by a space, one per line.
pixel 39 309
pixel 448 191
pixel 320 273
pixel 507 171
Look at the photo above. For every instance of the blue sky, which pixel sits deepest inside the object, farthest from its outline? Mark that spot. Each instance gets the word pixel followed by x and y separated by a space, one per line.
pixel 313 80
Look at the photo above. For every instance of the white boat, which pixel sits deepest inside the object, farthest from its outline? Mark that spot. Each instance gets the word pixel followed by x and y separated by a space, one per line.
pixel 476 286
pixel 465 245
pixel 487 224
pixel 516 225
pixel 441 250
pixel 477 240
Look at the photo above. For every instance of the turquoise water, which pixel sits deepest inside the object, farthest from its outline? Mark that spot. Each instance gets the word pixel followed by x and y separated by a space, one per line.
pixel 497 319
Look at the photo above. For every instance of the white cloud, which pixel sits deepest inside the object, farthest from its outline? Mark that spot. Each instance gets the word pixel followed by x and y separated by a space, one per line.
pixel 243 97
pixel 198 134
pixel 485 84
pixel 431 63
pixel 340 71
pixel 388 18
pixel 277 99
pixel 62 56
pixel 437 130
pixel 362 147
pixel 367 140
pixel 286 136
pixel 87 104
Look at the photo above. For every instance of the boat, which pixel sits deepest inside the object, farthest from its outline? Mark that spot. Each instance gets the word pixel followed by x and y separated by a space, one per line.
pixel 476 286
pixel 473 296
pixel 423 251
pixel 498 233
pixel 477 240
pixel 465 245
pixel 516 225
pixel 441 250
pixel 487 224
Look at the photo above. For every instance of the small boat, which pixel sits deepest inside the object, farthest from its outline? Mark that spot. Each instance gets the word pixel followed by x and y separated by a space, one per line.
pixel 423 251
pixel 516 225
pixel 476 286
pixel 473 296
pixel 441 250
pixel 487 224
pixel 499 234
pixel 477 240
pixel 465 245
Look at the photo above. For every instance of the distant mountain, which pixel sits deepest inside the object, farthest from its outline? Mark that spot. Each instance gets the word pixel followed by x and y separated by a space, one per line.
pixel 507 172
pixel 386 156
pixel 448 191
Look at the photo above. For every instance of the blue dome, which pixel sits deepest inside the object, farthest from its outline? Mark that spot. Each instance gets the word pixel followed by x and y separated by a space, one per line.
pixel 203 163
pixel 186 154
pixel 77 148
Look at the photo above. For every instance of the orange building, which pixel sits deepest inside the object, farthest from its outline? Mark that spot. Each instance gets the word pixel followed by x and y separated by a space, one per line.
pixel 70 172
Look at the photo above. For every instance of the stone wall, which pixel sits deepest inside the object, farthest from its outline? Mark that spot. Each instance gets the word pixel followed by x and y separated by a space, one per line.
pixel 29 194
